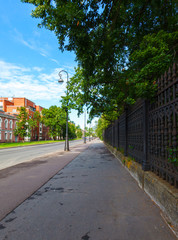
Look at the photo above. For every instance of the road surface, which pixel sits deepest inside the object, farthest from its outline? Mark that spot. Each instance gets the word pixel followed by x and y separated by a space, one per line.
pixel 13 156
pixel 92 198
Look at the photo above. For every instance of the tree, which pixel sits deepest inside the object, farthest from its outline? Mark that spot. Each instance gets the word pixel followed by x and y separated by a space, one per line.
pixel 34 121
pixel 109 38
pixel 155 53
pixel 72 130
pixel 55 119
pixel 92 132
pixel 101 125
pixel 23 124
pixel 78 131
pixel 99 101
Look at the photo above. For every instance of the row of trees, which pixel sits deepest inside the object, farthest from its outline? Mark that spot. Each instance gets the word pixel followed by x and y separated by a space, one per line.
pixel 54 118
pixel 122 47
pixel 25 123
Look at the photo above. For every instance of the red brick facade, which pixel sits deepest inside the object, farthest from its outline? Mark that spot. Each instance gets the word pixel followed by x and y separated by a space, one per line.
pixel 11 106
pixel 7 126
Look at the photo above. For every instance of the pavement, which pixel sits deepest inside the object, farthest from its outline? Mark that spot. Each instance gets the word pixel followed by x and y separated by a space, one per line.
pixel 84 194
pixel 19 182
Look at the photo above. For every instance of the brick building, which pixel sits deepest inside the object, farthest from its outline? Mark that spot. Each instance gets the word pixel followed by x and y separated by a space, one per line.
pixel 11 106
pixel 7 126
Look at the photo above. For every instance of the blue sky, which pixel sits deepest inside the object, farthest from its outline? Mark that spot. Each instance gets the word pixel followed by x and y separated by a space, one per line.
pixel 30 58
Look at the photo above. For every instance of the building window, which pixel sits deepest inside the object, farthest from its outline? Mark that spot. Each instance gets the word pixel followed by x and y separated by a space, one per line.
pixel 5 135
pixel 40 128
pixel 1 105
pixel 10 136
pixel 0 135
pixel 0 123
pixel 10 124
pixel 32 108
pixel 14 110
pixel 6 123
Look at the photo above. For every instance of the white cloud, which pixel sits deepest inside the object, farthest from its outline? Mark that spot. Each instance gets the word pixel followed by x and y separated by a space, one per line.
pixel 30 43
pixel 35 45
pixel 54 60
pixel 42 54
pixel 31 83
pixel 38 69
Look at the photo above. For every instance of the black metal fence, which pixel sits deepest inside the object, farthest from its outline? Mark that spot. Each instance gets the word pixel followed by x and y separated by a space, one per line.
pixel 148 132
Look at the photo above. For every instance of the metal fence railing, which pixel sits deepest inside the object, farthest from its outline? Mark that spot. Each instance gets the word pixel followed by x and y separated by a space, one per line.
pixel 148 132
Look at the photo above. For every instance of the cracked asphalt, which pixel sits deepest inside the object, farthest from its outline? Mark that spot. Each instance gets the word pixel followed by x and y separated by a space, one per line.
pixel 92 198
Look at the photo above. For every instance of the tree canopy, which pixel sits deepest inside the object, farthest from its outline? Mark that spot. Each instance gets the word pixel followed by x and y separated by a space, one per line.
pixel 25 122
pixel 55 119
pixel 121 47
pixel 79 132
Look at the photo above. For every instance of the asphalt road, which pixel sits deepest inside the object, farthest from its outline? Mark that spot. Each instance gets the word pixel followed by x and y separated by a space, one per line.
pixel 92 198
pixel 13 156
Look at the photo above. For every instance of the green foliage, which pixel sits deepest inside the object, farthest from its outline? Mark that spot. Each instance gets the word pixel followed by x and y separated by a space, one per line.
pixel 23 124
pixel 121 47
pixel 19 144
pixel 55 119
pixel 153 57
pixel 34 121
pixel 121 150
pixel 36 118
pixel 102 124
pixel 72 130
pixel 173 156
pixel 129 158
pixel 79 132
pixel 131 147
pixel 91 132
pixel 26 123
pixel 75 98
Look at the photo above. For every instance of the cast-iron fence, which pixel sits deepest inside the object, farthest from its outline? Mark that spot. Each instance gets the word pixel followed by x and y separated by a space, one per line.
pixel 148 132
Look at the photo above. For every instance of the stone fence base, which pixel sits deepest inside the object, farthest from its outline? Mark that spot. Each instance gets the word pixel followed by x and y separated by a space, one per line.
pixel 161 192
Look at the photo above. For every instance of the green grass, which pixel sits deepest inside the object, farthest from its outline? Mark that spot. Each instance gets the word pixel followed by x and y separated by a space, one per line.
pixel 20 144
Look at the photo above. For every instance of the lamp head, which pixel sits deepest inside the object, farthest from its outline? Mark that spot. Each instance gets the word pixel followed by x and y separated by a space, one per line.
pixel 60 79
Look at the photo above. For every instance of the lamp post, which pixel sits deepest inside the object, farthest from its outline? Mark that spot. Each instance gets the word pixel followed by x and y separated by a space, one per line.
pixel 89 132
pixel 66 147
pixel 84 126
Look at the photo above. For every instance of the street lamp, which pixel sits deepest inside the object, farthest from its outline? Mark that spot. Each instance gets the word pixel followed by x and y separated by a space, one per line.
pixel 84 126
pixel 66 147
pixel 89 132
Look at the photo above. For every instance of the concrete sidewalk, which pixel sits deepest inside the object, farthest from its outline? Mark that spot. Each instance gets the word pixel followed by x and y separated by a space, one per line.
pixel 92 198
pixel 19 182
